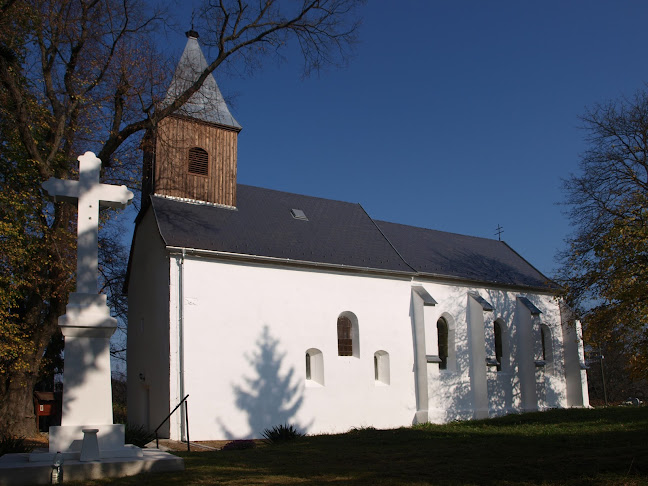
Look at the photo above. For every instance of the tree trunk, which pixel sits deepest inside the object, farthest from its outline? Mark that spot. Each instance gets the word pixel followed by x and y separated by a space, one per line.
pixel 17 416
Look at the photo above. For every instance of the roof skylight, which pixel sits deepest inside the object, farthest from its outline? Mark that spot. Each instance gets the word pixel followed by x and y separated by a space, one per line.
pixel 298 214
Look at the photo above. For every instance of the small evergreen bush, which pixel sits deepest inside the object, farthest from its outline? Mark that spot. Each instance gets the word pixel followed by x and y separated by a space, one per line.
pixel 281 433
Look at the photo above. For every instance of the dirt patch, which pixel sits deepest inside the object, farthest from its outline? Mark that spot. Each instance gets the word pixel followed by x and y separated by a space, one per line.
pixel 202 446
pixel 40 441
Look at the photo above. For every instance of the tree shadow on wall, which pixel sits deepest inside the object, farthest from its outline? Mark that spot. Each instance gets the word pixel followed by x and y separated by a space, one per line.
pixel 268 397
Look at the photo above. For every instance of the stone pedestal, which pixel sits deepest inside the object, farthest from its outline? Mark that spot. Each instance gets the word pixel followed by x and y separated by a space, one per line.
pixel 87 393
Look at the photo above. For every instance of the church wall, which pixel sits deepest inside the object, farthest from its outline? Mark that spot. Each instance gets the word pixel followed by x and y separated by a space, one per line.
pixel 249 327
pixel 470 389
pixel 148 328
pixel 577 392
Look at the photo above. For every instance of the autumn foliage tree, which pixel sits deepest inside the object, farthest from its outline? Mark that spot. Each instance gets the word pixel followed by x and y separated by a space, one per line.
pixel 78 75
pixel 605 269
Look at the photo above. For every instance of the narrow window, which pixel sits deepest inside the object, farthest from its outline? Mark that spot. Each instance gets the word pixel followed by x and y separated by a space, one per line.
pixel 547 345
pixel 314 367
pixel 442 336
pixel 381 367
pixel 198 161
pixel 497 328
pixel 345 339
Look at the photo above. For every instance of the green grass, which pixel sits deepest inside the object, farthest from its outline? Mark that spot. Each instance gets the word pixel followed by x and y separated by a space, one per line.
pixel 560 447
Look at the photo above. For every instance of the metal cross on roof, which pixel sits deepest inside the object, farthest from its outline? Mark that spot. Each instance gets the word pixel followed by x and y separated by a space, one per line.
pixel 498 231
pixel 90 194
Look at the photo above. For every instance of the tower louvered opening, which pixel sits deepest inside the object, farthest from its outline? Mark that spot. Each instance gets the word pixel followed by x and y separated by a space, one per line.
pixel 198 161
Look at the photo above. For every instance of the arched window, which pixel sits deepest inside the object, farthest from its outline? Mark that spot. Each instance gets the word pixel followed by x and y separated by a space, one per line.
pixel 497 329
pixel 348 335
pixel 198 161
pixel 381 367
pixel 345 341
pixel 314 366
pixel 442 336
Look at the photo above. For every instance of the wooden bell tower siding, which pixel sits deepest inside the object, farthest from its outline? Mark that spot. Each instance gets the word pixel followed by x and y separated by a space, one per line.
pixel 171 170
pixel 192 155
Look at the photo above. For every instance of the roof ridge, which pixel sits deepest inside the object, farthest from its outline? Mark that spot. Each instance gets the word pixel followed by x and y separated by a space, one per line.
pixel 441 231
pixel 550 281
pixel 296 194
pixel 387 239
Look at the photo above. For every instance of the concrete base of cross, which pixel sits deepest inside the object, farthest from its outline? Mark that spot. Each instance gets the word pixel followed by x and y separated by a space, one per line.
pixel 18 470
pixel 72 441
pixel 87 431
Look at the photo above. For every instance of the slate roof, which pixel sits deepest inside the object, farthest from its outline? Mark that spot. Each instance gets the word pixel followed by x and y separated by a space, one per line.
pixel 206 104
pixel 466 257
pixel 337 233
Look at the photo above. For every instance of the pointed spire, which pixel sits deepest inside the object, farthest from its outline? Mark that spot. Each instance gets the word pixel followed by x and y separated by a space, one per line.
pixel 207 104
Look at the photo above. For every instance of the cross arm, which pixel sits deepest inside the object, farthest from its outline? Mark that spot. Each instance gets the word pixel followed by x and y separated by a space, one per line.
pixel 62 190
pixel 117 197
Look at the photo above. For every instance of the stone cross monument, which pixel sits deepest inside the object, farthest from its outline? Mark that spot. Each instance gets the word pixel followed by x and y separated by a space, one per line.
pixel 87 430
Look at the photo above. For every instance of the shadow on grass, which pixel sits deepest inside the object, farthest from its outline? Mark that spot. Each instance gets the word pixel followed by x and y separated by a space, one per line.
pixel 573 447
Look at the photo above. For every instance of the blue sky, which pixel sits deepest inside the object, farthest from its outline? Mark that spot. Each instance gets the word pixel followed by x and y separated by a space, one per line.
pixel 453 115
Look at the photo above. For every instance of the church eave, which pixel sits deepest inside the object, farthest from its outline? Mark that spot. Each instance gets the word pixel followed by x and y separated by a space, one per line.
pixel 242 257
pixel 550 289
pixel 190 118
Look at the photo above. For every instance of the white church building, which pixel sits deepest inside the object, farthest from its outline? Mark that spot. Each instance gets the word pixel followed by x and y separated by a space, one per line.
pixel 271 308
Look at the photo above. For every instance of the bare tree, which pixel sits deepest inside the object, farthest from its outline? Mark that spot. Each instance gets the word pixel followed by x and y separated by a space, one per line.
pixel 79 75
pixel 605 268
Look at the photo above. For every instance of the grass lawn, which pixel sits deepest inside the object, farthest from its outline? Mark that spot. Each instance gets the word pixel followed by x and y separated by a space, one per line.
pixel 572 447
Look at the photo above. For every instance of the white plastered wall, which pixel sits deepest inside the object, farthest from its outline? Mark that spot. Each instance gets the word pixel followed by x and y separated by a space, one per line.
pixel 469 388
pixel 247 327
pixel 148 329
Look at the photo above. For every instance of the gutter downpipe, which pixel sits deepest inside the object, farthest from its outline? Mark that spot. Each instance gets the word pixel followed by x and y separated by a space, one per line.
pixel 183 431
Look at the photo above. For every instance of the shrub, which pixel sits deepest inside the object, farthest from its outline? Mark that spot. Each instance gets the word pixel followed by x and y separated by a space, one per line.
pixel 281 433
pixel 119 413
pixel 238 445
pixel 137 435
pixel 12 445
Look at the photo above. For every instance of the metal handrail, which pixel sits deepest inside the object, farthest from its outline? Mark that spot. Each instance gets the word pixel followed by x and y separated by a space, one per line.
pixel 184 400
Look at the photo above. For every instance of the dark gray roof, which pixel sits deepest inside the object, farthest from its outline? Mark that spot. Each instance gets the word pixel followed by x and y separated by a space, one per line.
pixel 465 257
pixel 206 104
pixel 337 233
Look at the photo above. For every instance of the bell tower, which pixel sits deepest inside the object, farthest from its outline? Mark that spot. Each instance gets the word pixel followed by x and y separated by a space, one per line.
pixel 192 154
